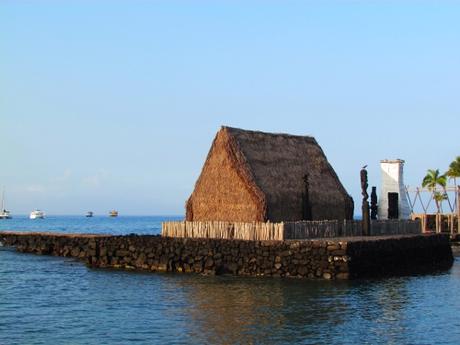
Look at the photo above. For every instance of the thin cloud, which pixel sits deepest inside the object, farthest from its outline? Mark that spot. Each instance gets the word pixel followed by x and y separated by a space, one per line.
pixel 36 188
pixel 96 180
pixel 66 175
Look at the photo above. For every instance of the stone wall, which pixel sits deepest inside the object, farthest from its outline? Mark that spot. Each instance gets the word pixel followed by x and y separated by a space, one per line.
pixel 328 259
pixel 399 255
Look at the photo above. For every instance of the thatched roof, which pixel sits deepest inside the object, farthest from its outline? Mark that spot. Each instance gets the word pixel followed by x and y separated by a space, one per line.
pixel 270 168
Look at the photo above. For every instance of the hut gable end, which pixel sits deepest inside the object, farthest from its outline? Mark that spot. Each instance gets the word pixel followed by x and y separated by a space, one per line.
pixel 225 190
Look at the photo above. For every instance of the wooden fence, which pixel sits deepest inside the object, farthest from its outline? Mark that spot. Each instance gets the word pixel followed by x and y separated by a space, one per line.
pixel 440 222
pixel 395 227
pixel 312 229
pixel 241 231
pixel 286 231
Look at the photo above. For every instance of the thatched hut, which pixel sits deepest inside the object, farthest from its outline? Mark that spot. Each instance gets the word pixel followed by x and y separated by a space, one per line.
pixel 256 176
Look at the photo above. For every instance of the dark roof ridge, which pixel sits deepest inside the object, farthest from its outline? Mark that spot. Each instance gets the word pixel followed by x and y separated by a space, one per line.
pixel 267 133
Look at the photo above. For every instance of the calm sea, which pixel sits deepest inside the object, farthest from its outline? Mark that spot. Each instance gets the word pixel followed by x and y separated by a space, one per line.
pixel 121 225
pixel 55 300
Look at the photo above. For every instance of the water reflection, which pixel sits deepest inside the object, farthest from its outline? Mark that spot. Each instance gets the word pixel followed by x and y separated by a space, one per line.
pixel 254 310
pixel 257 310
pixel 60 301
pixel 380 299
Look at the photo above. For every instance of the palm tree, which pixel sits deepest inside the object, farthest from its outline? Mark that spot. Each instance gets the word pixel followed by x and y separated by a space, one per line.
pixel 453 173
pixel 432 179
pixel 454 170
pixel 439 198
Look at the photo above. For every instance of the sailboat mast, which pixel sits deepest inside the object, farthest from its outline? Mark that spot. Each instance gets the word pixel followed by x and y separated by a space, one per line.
pixel 3 199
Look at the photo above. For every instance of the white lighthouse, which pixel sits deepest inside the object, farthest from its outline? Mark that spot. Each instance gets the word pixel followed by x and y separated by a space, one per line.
pixel 393 202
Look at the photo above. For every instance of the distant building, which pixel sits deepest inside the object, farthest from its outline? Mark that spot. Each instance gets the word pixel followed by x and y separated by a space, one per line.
pixel 255 176
pixel 393 202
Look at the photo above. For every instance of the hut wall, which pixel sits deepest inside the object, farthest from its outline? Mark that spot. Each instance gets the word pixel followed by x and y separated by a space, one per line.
pixel 220 193
pixel 338 209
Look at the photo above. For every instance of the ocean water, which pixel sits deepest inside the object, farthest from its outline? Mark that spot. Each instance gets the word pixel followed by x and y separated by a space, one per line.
pixel 55 300
pixel 120 225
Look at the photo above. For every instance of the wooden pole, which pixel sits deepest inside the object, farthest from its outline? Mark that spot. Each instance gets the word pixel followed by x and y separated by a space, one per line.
pixel 366 222
pixel 438 222
pixel 458 209
pixel 306 207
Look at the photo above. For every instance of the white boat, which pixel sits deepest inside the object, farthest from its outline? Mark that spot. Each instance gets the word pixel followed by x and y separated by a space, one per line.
pixel 89 214
pixel 37 214
pixel 4 214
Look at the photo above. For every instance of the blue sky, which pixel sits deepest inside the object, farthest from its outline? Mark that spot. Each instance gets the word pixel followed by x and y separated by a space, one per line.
pixel 114 104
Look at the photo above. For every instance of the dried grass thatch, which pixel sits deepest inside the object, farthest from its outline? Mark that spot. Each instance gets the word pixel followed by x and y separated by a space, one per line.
pixel 255 176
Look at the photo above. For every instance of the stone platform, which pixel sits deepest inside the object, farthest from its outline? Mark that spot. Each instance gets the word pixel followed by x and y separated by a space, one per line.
pixel 332 258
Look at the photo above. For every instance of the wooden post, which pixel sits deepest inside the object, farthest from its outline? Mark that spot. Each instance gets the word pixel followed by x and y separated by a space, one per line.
pixel 438 222
pixel 365 204
pixel 306 206
pixel 458 209
pixel 374 208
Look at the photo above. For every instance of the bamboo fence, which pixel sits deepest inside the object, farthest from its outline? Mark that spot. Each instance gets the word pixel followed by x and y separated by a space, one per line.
pixel 311 229
pixel 260 231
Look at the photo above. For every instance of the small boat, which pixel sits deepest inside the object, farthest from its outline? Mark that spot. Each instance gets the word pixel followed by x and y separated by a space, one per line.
pixel 37 214
pixel 89 214
pixel 4 214
pixel 113 213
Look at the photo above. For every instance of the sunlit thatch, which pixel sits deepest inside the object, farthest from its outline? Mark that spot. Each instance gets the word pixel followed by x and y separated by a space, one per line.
pixel 256 176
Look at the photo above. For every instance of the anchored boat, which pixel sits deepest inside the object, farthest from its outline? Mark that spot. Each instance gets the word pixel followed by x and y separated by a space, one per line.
pixel 4 214
pixel 113 213
pixel 89 214
pixel 37 214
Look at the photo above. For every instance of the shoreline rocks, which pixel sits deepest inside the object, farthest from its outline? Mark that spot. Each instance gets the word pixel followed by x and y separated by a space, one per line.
pixel 341 258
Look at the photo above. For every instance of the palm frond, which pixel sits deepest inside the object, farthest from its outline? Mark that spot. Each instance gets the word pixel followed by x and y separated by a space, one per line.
pixel 454 168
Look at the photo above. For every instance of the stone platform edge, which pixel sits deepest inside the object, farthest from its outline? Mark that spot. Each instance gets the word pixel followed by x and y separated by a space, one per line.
pixel 332 258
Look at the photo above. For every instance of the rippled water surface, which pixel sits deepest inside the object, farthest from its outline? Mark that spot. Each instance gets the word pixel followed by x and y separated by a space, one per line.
pixel 55 300
pixel 80 224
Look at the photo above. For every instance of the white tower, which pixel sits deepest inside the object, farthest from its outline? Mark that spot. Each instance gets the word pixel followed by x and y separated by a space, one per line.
pixel 393 199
